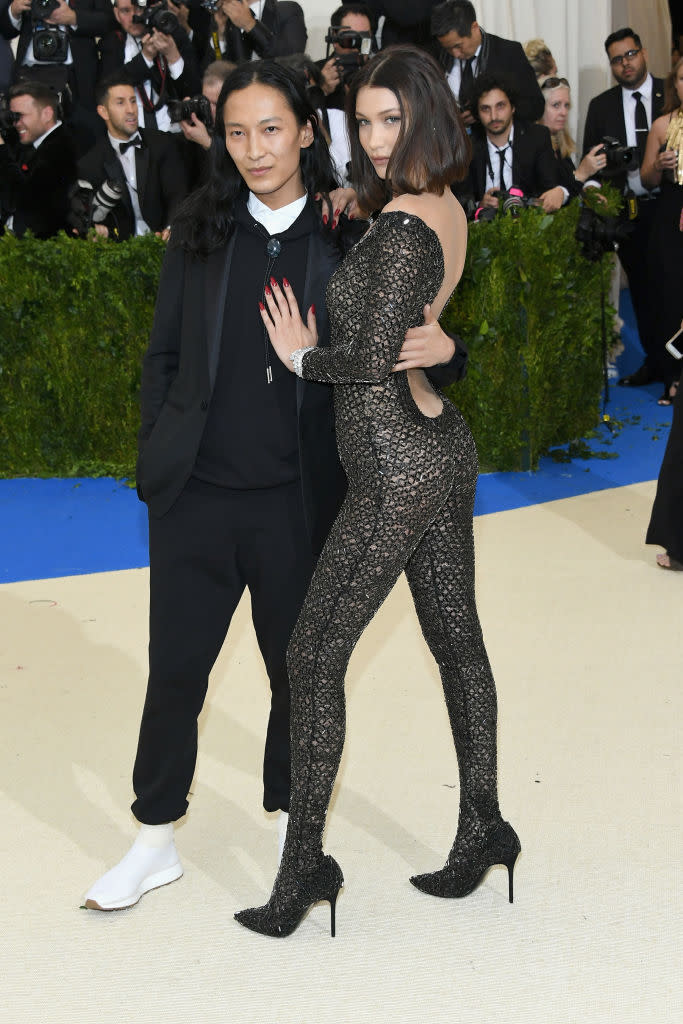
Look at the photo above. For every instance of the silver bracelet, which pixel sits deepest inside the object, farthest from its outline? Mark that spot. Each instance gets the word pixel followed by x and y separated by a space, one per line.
pixel 297 358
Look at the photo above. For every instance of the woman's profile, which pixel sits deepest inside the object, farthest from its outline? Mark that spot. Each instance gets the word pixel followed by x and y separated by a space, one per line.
pixel 412 469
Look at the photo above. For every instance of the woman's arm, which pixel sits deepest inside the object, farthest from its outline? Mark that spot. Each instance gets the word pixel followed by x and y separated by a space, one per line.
pixel 654 162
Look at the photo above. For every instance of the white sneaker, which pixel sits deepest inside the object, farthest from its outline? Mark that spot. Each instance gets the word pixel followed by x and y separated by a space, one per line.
pixel 143 868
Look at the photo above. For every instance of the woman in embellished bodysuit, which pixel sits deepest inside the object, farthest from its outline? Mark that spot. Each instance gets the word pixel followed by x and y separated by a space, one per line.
pixel 412 469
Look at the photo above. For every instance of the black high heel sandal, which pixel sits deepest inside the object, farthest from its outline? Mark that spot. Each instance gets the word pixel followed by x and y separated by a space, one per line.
pixel 461 875
pixel 285 911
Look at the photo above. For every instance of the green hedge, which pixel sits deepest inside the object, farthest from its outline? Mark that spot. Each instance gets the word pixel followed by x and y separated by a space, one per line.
pixel 75 316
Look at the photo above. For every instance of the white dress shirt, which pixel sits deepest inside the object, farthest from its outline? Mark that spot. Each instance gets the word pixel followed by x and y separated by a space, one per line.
pixel 127 161
pixel 275 221
pixel 455 74
pixel 493 164
pixel 645 90
pixel 132 48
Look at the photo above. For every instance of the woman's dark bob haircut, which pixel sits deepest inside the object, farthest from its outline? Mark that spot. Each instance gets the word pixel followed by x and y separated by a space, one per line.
pixel 432 150
pixel 205 220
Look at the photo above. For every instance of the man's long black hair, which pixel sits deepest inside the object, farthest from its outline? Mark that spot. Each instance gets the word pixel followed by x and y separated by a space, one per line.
pixel 204 221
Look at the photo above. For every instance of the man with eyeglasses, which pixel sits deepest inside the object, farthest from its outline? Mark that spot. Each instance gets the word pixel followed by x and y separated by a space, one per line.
pixel 626 113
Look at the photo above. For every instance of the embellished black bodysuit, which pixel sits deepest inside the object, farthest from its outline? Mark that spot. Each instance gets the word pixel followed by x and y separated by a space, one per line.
pixel 408 508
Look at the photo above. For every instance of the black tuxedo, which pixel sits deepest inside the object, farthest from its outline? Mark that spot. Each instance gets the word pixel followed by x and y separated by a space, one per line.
pixel 112 48
pixel 94 18
pixel 507 58
pixel 605 116
pixel 534 166
pixel 35 183
pixel 279 32
pixel 161 181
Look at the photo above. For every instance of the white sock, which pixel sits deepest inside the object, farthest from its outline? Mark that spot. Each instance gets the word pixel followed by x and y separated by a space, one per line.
pixel 156 836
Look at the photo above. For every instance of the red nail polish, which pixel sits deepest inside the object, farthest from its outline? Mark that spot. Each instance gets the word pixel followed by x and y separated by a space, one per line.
pixel 273 281
pixel 334 223
pixel 313 309
pixel 324 218
pixel 350 216
pixel 285 282
pixel 261 307
pixel 268 292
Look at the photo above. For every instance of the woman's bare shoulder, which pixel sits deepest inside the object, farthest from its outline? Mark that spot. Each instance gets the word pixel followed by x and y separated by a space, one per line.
pixel 430 208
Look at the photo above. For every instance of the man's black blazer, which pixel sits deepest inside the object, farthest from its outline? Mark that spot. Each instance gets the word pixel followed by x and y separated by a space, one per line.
pixel 94 18
pixel 35 183
pixel 507 58
pixel 179 372
pixel 112 48
pixel 605 116
pixel 161 181
pixel 534 166
pixel 279 32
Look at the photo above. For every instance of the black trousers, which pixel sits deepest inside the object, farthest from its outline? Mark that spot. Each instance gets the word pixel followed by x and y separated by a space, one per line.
pixel 633 255
pixel 212 544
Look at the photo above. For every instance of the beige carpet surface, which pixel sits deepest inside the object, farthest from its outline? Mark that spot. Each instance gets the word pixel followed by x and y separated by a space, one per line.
pixel 583 632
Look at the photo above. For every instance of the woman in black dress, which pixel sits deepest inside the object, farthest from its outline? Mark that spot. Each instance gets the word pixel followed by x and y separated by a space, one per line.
pixel 412 469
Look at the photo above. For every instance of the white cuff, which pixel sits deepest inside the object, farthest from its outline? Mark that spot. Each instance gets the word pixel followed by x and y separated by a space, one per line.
pixel 177 68
pixel 565 192
pixel 298 359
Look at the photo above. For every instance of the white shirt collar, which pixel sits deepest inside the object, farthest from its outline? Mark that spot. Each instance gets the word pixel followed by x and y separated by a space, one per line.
pixel 37 142
pixel 645 90
pixel 257 8
pixel 494 148
pixel 275 221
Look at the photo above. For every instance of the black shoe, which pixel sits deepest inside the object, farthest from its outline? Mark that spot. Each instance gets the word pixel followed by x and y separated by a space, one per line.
pixel 284 912
pixel 461 875
pixel 638 379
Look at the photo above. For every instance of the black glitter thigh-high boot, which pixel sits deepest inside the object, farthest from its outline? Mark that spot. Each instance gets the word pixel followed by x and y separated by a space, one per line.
pixel 441 578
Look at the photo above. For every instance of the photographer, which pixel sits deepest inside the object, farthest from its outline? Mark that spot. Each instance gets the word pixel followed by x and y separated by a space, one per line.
pixel 56 47
pixel 156 57
pixel 145 160
pixel 625 114
pixel 352 38
pixel 266 28
pixel 511 153
pixel 38 168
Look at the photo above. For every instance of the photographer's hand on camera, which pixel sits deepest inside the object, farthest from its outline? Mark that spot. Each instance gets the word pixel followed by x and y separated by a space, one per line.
pixel 166 46
pixel 196 131
pixel 62 15
pixel 490 199
pixel 239 13
pixel 593 162
pixel 331 75
pixel 18 7
pixel 552 200
pixel 182 13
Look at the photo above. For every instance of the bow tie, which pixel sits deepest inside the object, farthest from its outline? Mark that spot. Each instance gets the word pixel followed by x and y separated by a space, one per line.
pixel 135 141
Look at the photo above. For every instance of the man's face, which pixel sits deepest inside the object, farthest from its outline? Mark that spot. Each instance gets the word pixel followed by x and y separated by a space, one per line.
pixel 355 22
pixel 34 120
pixel 495 113
pixel 629 71
pixel 462 47
pixel 123 12
pixel 120 111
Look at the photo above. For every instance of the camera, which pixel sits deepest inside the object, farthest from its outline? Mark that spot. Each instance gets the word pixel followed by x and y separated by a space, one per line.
pixel 8 120
pixel 89 206
pixel 156 16
pixel 182 110
pixel 598 235
pixel 42 9
pixel 358 44
pixel 619 158
pixel 508 202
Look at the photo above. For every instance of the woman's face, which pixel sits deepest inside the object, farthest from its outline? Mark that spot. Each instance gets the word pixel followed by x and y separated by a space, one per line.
pixel 557 107
pixel 265 140
pixel 378 116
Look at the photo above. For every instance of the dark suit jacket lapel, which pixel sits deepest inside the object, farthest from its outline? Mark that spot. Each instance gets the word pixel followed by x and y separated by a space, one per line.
pixel 141 172
pixel 215 291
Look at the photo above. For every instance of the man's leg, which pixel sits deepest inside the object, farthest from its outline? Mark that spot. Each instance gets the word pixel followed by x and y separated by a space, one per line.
pixel 276 556
pixel 633 255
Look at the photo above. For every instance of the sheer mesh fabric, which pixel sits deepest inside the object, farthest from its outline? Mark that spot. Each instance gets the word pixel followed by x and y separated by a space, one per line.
pixel 409 507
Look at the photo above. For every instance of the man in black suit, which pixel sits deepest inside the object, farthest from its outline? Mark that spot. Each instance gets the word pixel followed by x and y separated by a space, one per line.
pixel 626 113
pixel 145 161
pixel 263 28
pixel 37 174
pixel 78 23
pixel 508 152
pixel 160 66
pixel 467 51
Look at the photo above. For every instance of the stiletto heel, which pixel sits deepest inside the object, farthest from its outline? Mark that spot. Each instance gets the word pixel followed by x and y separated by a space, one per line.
pixel 293 898
pixel 462 873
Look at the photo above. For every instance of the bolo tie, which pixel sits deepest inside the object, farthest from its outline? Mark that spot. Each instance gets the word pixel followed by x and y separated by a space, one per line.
pixel 273 249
